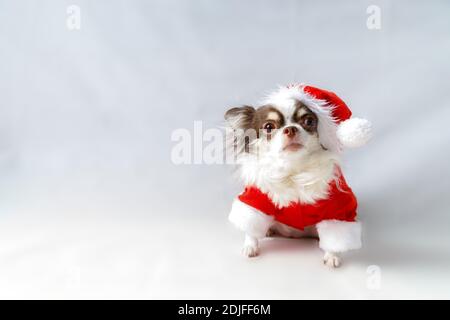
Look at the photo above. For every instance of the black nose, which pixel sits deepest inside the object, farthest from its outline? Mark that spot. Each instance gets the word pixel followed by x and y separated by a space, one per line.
pixel 290 131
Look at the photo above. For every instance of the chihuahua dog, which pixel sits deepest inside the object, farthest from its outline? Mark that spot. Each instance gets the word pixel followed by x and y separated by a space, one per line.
pixel 287 150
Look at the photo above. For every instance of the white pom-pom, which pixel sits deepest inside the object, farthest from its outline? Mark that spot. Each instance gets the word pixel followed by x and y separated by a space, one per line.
pixel 354 132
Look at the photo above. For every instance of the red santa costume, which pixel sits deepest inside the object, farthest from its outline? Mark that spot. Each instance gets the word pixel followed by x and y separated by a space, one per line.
pixel 335 216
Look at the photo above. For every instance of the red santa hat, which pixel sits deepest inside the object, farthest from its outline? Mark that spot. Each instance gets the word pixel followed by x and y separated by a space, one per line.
pixel 336 127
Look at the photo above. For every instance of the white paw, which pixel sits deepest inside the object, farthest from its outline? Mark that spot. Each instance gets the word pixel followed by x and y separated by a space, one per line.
pixel 250 251
pixel 331 260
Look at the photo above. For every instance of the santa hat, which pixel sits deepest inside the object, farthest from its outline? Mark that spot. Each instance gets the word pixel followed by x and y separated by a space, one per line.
pixel 336 127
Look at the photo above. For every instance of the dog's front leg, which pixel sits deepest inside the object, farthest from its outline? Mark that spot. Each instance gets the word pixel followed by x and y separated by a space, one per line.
pixel 251 246
pixel 337 236
pixel 331 259
pixel 254 223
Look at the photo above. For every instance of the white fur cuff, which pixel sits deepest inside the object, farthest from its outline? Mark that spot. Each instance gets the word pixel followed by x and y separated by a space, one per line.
pixel 250 220
pixel 339 236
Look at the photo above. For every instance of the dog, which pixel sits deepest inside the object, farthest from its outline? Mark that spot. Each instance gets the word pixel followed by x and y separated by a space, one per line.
pixel 288 155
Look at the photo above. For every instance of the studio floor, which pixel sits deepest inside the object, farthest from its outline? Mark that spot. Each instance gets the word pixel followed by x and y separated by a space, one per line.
pixel 149 259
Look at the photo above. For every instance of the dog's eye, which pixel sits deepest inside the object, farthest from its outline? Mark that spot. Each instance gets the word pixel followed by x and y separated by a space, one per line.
pixel 309 121
pixel 269 126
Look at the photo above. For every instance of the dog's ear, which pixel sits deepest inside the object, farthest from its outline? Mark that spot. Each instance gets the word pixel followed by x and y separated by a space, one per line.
pixel 242 121
pixel 241 117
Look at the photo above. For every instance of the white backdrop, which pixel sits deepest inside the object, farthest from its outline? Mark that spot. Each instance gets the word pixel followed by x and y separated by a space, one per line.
pixel 92 206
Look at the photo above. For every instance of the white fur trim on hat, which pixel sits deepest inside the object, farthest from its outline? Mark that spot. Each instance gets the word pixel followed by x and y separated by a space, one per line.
pixel 250 220
pixel 354 132
pixel 339 236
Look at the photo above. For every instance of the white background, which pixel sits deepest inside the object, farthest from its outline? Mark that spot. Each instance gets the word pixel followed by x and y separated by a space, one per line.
pixel 91 205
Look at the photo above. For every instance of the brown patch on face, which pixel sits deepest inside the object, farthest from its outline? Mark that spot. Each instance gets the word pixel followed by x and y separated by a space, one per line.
pixel 247 117
pixel 254 122
pixel 268 118
pixel 305 117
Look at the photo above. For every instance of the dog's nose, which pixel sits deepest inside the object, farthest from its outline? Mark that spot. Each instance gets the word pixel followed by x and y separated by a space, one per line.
pixel 290 131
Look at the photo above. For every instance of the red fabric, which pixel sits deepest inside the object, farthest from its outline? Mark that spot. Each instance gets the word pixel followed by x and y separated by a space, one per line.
pixel 340 205
pixel 341 111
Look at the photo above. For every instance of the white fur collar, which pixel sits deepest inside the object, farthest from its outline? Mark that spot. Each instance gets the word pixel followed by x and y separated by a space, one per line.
pixel 290 180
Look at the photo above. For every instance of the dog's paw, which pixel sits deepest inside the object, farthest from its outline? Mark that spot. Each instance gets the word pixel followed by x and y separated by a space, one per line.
pixel 331 260
pixel 250 251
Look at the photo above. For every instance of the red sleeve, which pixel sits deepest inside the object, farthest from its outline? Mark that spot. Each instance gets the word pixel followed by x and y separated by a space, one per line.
pixel 342 202
pixel 255 198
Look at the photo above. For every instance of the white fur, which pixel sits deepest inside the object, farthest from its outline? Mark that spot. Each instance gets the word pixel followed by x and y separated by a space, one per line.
pixel 339 236
pixel 354 132
pixel 290 178
pixel 249 220
pixel 251 246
